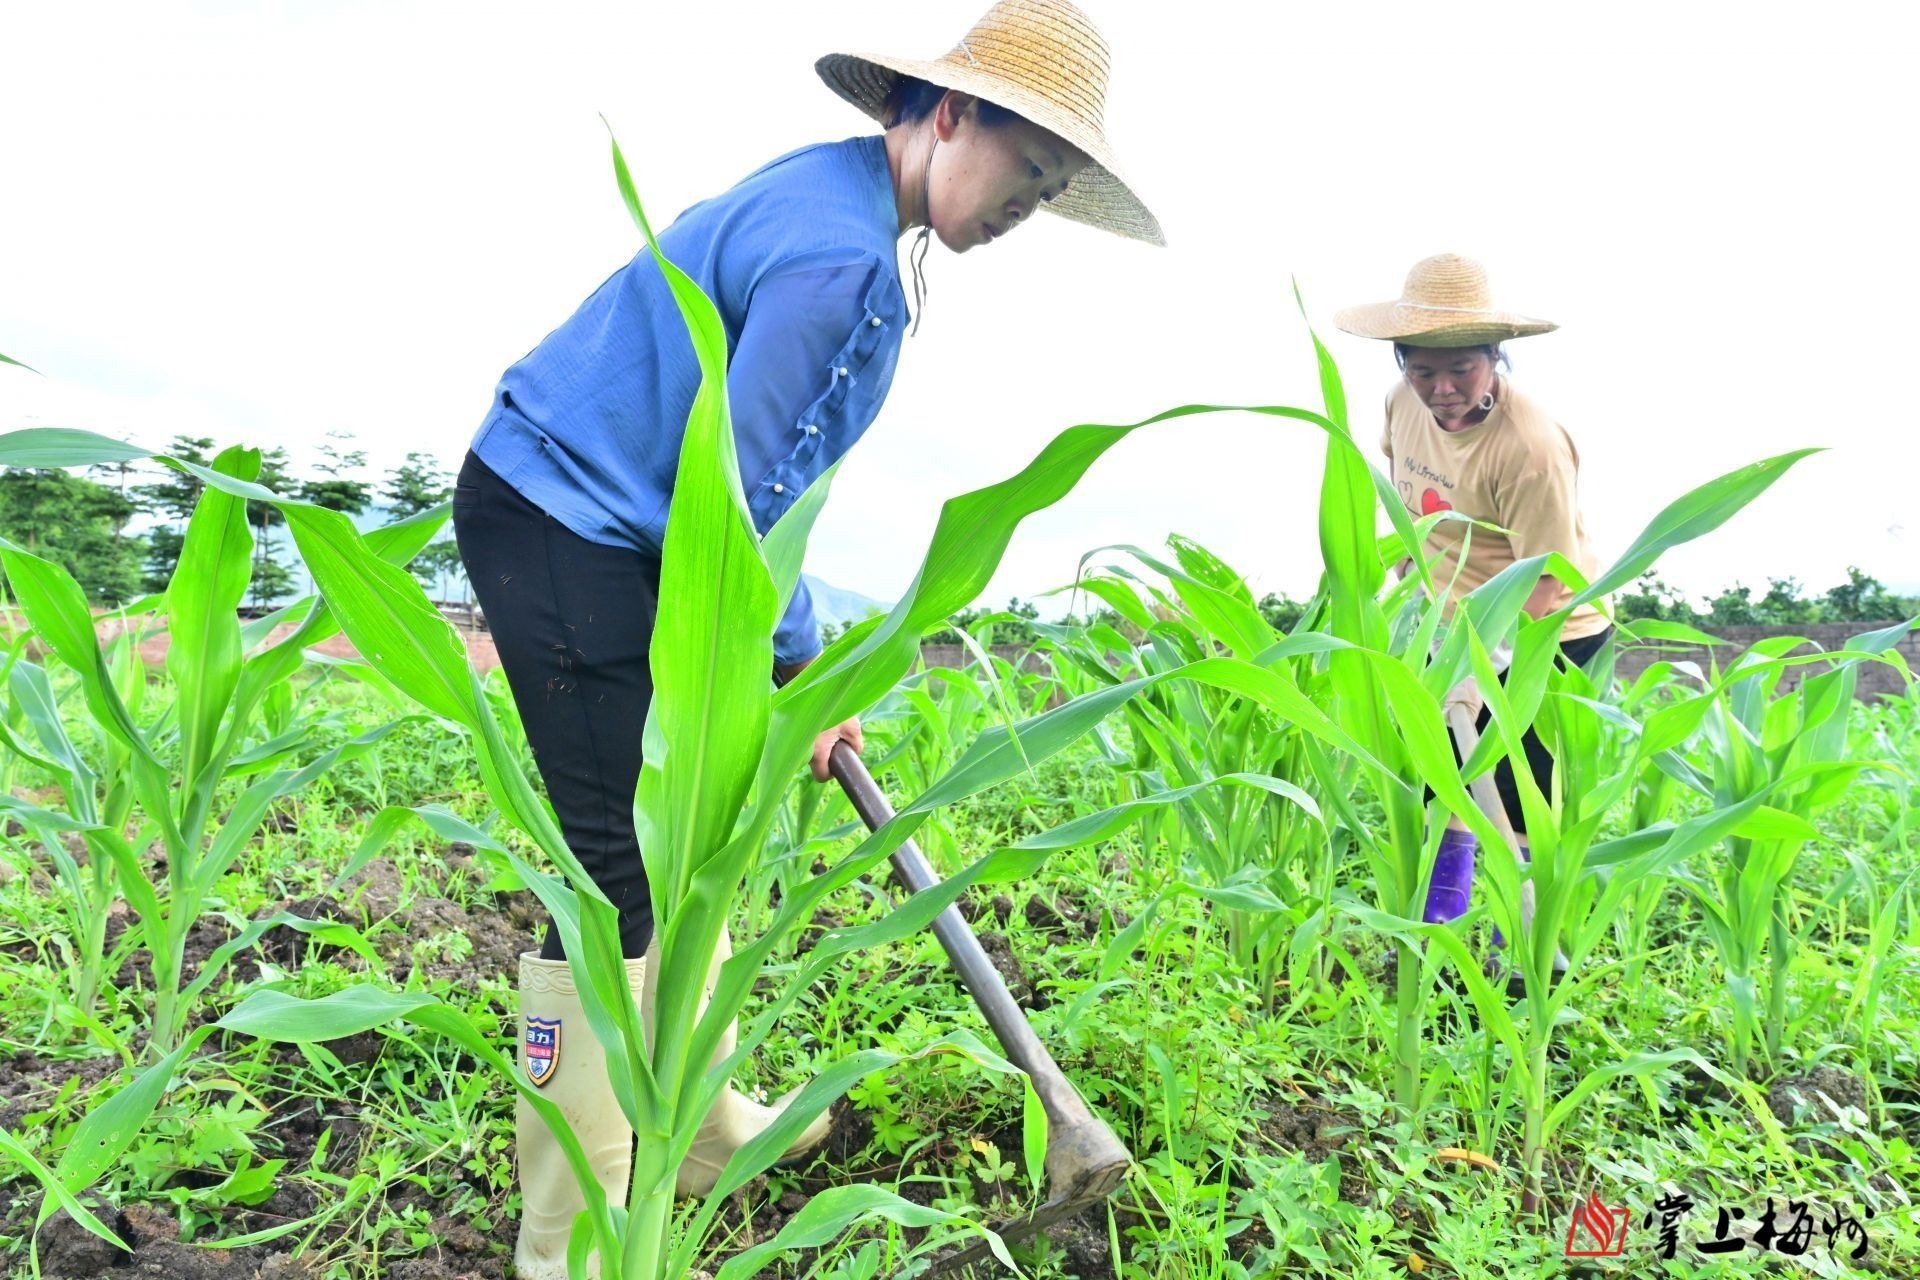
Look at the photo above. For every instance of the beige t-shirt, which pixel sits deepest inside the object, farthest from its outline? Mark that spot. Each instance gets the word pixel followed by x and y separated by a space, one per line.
pixel 1518 469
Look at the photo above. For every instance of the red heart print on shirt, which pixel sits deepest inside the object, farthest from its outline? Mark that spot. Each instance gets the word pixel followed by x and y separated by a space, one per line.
pixel 1431 501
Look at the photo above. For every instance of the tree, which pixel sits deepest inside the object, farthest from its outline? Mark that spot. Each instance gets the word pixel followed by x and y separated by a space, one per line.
pixel 78 524
pixel 171 499
pixel 1864 598
pixel 333 486
pixel 1733 607
pixel 1784 603
pixel 271 580
pixel 1280 611
pixel 415 485
pixel 419 484
pixel 1653 598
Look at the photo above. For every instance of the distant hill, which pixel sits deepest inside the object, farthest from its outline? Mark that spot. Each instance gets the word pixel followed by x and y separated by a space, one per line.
pixel 834 605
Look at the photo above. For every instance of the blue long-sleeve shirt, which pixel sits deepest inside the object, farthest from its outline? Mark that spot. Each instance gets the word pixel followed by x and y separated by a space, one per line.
pixel 799 258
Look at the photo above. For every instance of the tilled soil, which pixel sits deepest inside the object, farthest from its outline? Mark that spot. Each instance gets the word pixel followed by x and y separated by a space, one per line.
pixel 378 901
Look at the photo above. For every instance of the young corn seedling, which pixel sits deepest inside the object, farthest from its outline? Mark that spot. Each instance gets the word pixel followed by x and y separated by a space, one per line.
pixel 1258 850
pixel 97 800
pixel 168 774
pixel 1791 749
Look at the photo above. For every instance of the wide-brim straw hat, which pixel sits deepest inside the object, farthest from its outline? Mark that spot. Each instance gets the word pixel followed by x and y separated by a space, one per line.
pixel 1445 303
pixel 1042 59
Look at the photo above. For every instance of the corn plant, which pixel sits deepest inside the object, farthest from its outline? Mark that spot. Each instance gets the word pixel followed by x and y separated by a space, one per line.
pixel 1258 849
pixel 164 777
pixel 1580 882
pixel 1791 748
pixel 97 799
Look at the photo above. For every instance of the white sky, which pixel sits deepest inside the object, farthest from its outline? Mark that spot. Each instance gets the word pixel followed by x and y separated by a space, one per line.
pixel 261 222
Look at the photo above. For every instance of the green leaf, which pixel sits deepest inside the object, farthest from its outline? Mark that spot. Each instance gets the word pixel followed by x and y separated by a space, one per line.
pixel 275 1015
pixel 389 822
pixel 44 447
pixel 785 545
pixel 58 610
pixel 832 1212
pixel 331 932
pixel 58 1195
pixel 110 1128
pixel 203 599
pixel 712 681
pixel 1698 512
pixel 1637 1064
pixel 1033 1134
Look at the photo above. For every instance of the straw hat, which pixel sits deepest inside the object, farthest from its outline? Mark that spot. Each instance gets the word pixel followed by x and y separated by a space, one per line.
pixel 1445 303
pixel 1042 59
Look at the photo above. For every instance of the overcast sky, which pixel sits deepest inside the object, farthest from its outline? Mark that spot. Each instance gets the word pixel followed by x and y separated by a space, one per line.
pixel 262 222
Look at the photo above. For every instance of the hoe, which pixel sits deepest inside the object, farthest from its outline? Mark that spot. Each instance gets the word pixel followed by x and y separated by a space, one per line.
pixel 1085 1161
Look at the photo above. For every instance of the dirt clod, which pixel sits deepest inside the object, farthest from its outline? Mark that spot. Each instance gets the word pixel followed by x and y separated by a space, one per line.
pixel 1007 965
pixel 1815 1097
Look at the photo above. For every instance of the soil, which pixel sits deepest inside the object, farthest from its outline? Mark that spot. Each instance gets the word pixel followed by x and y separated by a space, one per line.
pixel 1315 1130
pixel 29 1082
pixel 153 650
pixel 1012 973
pixel 497 930
pixel 68 1250
pixel 1815 1097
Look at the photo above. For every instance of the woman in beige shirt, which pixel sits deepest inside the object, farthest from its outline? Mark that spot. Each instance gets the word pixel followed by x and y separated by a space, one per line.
pixel 1459 436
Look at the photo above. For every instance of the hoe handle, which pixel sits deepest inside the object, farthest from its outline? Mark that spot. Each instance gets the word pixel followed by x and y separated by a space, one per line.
pixel 1466 737
pixel 1085 1161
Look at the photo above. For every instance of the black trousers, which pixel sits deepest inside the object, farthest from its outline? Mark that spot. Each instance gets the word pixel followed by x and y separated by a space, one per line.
pixel 573 621
pixel 1573 653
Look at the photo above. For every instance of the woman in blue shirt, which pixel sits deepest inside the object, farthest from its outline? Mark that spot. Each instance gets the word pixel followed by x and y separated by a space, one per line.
pixel 562 504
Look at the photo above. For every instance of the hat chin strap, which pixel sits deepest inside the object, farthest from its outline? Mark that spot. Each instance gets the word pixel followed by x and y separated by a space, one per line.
pixel 917 256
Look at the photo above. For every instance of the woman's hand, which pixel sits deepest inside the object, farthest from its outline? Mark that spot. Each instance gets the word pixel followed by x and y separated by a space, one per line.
pixel 848 731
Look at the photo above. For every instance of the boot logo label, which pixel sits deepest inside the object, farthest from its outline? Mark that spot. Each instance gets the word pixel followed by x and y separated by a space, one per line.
pixel 543 1048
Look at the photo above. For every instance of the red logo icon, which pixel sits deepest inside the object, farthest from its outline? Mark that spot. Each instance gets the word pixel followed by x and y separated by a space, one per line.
pixel 1431 501
pixel 1597 1230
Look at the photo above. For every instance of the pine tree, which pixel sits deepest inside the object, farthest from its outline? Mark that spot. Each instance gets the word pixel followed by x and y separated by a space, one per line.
pixel 334 488
pixel 171 500
pixel 417 485
pixel 271 580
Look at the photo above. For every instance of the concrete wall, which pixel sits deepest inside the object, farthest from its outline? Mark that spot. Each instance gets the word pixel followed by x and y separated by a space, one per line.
pixel 1874 679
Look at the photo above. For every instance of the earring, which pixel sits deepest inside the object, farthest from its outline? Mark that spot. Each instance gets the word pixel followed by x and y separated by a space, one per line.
pixel 1486 403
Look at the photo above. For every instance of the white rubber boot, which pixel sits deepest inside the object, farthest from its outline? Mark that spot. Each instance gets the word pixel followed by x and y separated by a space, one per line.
pixel 735 1119
pixel 567 1063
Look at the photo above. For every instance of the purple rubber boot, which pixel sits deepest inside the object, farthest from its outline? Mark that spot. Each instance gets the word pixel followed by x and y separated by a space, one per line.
pixel 1452 886
pixel 1526 855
